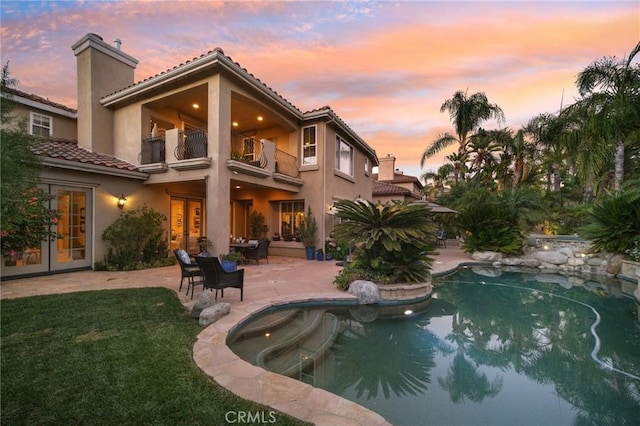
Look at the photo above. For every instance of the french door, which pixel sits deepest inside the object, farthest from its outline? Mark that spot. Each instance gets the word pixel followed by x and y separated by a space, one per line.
pixel 187 223
pixel 75 226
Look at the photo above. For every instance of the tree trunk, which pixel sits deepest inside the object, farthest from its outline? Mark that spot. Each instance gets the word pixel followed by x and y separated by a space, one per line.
pixel 619 171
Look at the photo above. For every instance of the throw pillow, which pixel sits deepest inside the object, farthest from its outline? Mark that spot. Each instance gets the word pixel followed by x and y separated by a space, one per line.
pixel 184 257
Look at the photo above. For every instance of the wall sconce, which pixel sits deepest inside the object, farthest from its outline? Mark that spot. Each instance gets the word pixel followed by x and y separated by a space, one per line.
pixel 121 202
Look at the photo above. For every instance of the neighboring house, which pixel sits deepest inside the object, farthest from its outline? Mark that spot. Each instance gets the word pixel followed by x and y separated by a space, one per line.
pixel 206 143
pixel 390 184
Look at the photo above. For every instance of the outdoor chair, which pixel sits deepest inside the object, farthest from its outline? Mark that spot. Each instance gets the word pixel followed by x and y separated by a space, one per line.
pixel 441 239
pixel 188 270
pixel 216 278
pixel 261 251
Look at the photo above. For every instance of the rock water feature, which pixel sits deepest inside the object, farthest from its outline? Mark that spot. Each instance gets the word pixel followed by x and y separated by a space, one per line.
pixel 565 255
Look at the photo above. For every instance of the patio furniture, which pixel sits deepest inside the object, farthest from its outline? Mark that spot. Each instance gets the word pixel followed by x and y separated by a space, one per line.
pixel 441 239
pixel 261 251
pixel 216 278
pixel 188 270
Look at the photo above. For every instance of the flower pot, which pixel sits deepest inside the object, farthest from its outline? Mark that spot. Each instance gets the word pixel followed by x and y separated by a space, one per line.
pixel 229 265
pixel 310 252
pixel 328 257
pixel 320 256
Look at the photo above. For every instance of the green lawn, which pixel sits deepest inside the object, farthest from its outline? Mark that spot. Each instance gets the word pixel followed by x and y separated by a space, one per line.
pixel 109 357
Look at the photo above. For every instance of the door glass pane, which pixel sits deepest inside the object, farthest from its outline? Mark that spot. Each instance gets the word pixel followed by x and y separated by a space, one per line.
pixel 72 225
pixel 195 225
pixel 177 224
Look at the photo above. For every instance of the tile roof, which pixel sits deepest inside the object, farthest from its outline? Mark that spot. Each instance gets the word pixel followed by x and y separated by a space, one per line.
pixel 386 188
pixel 66 149
pixel 400 178
pixel 215 53
pixel 38 99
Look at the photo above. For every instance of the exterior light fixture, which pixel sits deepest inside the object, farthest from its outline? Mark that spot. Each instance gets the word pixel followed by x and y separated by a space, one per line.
pixel 260 118
pixel 121 202
pixel 196 106
pixel 234 124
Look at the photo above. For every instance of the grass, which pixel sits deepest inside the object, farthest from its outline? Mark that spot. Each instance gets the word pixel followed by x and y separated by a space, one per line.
pixel 109 357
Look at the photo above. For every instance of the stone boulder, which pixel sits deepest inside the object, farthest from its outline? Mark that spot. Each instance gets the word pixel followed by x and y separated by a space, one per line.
pixel 512 261
pixel 214 313
pixel 575 261
pixel 553 257
pixel 614 265
pixel 204 300
pixel 367 292
pixel 530 262
pixel 486 256
pixel 567 251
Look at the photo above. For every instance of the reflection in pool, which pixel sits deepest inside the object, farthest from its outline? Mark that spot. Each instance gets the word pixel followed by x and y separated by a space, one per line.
pixel 512 349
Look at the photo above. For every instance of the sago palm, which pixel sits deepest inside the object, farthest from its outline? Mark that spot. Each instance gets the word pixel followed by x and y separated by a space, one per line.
pixel 392 240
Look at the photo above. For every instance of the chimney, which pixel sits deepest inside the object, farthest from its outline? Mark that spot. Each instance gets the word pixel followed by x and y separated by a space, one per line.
pixel 117 43
pixel 386 168
pixel 102 69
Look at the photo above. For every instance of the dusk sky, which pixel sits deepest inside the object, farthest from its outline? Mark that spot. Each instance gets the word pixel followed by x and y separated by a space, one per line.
pixel 384 67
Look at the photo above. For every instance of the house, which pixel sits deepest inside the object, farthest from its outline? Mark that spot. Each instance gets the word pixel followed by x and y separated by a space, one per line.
pixel 391 184
pixel 206 143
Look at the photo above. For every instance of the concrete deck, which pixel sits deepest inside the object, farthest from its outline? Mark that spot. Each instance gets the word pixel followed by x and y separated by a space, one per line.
pixel 282 280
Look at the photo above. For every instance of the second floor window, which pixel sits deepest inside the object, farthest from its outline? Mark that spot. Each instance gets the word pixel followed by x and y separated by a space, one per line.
pixel 344 157
pixel 309 145
pixel 40 125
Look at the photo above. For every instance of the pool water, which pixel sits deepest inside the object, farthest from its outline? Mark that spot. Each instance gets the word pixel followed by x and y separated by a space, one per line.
pixel 488 348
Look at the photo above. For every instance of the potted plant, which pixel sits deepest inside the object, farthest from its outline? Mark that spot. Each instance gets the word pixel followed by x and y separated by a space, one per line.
pixel 205 244
pixel 276 236
pixel 257 227
pixel 308 230
pixel 230 260
pixel 320 254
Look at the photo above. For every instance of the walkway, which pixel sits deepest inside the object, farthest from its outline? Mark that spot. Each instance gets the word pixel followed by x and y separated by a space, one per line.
pixel 282 280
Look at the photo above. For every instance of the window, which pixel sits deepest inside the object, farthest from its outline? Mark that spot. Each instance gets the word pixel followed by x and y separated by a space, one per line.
pixel 344 157
pixel 248 148
pixel 309 145
pixel 40 124
pixel 366 165
pixel 291 216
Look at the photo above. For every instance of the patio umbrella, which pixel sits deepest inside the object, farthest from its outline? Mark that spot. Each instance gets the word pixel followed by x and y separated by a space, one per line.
pixel 435 208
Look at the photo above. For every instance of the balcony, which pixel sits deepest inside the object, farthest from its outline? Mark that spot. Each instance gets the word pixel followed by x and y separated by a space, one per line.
pixel 262 159
pixel 152 156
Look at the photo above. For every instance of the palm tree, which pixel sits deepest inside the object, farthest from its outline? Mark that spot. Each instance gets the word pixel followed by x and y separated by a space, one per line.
pixel 547 132
pixel 392 240
pixel 466 114
pixel 482 147
pixel 440 179
pixel 611 93
pixel 459 160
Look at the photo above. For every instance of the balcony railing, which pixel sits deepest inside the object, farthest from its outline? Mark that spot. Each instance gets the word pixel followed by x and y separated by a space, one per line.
pixel 192 144
pixel 152 151
pixel 286 164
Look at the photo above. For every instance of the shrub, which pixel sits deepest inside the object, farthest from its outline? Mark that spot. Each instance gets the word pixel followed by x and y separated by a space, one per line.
pixel 615 222
pixel 136 240
pixel 497 221
pixel 392 241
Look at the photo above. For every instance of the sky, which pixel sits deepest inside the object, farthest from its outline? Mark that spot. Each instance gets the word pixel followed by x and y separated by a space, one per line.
pixel 385 67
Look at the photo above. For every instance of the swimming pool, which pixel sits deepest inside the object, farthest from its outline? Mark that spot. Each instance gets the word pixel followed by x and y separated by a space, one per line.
pixel 513 348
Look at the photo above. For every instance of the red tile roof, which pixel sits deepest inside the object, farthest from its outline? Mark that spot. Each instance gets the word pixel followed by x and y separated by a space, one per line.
pixel 66 149
pixel 37 98
pixel 386 188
